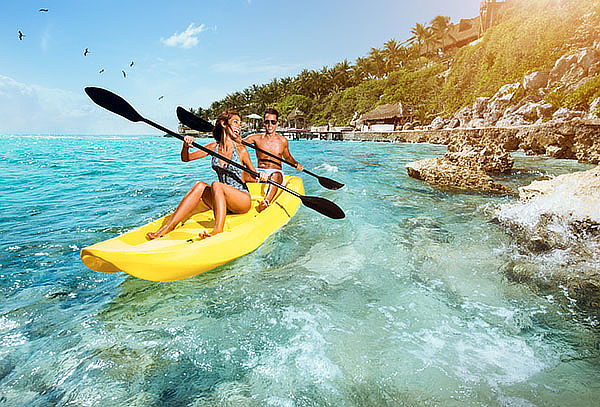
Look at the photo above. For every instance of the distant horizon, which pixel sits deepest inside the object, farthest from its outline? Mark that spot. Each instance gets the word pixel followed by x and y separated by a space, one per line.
pixel 194 56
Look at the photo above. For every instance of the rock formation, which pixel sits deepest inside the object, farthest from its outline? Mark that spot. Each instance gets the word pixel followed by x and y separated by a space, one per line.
pixel 469 168
pixel 522 103
pixel 557 223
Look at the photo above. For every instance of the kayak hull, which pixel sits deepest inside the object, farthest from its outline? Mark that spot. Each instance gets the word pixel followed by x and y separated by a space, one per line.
pixel 181 253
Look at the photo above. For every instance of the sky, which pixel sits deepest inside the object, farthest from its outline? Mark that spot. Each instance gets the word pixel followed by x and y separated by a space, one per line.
pixel 184 53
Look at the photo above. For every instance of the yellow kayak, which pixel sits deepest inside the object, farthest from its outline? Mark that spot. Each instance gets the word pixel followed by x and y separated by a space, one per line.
pixel 181 253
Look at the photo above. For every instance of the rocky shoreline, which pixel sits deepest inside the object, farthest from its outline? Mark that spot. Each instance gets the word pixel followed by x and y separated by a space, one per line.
pixel 555 224
pixel 576 139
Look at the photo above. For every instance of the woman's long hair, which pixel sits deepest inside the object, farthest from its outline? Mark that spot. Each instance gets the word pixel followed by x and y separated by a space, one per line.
pixel 223 117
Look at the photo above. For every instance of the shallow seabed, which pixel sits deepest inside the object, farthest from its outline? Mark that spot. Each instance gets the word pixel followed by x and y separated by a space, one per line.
pixel 403 303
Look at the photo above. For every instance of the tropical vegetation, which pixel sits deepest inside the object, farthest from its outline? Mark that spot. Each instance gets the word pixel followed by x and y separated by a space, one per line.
pixel 428 77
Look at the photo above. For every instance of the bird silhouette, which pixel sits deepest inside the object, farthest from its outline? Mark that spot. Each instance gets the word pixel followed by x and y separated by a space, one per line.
pixel 85 52
pixel 43 10
pixel 131 64
pixel 21 35
pixel 101 70
pixel 124 74
pixel 160 97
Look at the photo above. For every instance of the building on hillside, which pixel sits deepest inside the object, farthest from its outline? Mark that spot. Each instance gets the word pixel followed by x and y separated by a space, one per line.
pixel 470 29
pixel 296 119
pixel 386 118
pixel 461 34
pixel 488 13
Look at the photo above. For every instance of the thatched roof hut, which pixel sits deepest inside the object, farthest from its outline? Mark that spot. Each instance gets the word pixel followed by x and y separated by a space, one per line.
pixel 394 114
pixel 296 118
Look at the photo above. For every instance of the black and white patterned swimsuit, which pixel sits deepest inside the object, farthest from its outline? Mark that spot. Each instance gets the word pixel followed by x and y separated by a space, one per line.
pixel 229 174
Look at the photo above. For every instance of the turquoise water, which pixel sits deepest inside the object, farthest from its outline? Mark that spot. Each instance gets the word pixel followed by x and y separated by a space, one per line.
pixel 403 303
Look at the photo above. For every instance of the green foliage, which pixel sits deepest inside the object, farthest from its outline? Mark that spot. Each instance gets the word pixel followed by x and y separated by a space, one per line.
pixel 530 36
pixel 340 108
pixel 419 91
pixel 556 98
pixel 582 97
pixel 520 44
pixel 289 103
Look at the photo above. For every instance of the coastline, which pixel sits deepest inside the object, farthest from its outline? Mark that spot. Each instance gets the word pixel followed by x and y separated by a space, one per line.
pixel 570 140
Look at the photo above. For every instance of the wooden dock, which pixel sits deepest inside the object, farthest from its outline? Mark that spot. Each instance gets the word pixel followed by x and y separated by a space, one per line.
pixel 311 135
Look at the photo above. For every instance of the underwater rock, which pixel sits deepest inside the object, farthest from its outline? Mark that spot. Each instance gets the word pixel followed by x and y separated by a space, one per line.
pixel 443 172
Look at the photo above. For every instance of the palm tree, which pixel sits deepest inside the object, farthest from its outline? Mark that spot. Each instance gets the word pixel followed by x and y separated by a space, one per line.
pixel 421 34
pixel 440 26
pixel 393 53
pixel 378 60
pixel 361 70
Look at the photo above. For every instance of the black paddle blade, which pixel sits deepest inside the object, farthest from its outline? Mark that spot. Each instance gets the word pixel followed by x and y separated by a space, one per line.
pixel 323 206
pixel 114 103
pixel 189 119
pixel 329 183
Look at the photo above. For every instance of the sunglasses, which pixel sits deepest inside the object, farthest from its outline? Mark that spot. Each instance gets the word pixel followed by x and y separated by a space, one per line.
pixel 270 121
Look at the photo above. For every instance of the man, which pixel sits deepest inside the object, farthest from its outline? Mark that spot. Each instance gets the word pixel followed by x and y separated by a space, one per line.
pixel 275 144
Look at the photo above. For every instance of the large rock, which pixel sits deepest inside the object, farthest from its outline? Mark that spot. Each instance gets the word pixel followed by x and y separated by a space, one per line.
pixel 437 123
pixel 488 159
pixel 594 112
pixel 478 122
pixel 512 120
pixel 453 123
pixel 464 116
pixel 480 106
pixel 564 114
pixel 507 92
pixel 582 189
pixel 562 65
pixel 557 223
pixel 571 71
pixel 442 173
pixel 535 81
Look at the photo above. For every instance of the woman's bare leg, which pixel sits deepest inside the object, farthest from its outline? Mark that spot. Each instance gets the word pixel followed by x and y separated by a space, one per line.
pixel 271 191
pixel 220 198
pixel 187 205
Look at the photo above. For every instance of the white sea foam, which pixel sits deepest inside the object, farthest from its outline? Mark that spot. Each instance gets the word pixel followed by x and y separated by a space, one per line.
pixel 572 197
pixel 7 324
pixel 327 167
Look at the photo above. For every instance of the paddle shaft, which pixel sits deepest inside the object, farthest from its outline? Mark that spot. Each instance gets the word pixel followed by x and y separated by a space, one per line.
pixel 219 156
pixel 197 123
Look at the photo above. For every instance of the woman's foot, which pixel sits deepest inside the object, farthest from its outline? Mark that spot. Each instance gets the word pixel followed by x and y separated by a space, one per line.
pixel 264 204
pixel 205 234
pixel 155 235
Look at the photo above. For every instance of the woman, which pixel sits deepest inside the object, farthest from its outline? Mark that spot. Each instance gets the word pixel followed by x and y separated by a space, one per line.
pixel 230 193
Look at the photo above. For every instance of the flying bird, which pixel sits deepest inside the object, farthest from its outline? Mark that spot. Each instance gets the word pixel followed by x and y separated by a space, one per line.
pixel 124 74
pixel 43 10
pixel 101 70
pixel 21 35
pixel 85 52
pixel 160 97
pixel 131 64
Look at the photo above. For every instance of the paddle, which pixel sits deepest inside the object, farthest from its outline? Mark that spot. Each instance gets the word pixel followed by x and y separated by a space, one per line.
pixel 120 106
pixel 197 123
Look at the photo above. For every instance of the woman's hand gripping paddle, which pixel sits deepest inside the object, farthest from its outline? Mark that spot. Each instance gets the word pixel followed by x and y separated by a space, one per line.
pixel 116 104
pixel 197 123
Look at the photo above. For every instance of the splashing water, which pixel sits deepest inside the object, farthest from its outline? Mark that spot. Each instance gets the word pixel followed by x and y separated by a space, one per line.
pixel 404 302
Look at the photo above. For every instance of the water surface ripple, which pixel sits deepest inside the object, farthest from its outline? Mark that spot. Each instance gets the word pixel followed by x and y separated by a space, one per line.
pixel 403 303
